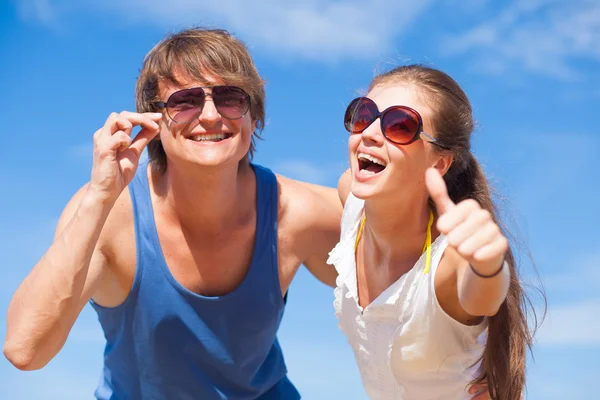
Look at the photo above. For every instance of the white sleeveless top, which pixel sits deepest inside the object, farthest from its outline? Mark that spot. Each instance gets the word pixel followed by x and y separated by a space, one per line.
pixel 406 346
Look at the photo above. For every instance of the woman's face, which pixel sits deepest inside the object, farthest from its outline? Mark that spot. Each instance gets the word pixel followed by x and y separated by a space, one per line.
pixel 380 167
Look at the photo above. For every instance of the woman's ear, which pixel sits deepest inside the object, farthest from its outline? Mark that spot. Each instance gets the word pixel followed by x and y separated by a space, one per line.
pixel 443 163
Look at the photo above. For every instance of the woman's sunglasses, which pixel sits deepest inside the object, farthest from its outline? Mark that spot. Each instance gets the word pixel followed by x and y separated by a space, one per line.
pixel 399 124
pixel 186 105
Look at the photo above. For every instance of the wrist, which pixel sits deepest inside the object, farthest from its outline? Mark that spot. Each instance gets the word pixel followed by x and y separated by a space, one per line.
pixel 95 197
pixel 96 202
pixel 487 274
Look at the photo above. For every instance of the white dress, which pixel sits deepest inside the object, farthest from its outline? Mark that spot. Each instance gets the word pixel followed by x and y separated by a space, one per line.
pixel 406 346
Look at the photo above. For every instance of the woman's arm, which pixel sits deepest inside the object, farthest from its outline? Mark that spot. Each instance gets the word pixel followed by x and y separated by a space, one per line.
pixel 474 261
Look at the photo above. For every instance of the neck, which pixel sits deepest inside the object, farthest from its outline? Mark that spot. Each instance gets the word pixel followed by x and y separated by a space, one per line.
pixel 395 231
pixel 213 198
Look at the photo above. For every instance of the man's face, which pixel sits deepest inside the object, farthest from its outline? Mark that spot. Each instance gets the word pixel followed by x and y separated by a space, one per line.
pixel 209 138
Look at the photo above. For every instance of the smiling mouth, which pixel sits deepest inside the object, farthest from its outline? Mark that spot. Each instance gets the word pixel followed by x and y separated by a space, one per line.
pixel 369 165
pixel 215 137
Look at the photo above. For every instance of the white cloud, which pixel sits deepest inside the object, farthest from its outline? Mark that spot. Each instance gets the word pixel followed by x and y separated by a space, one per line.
pixel 40 10
pixel 542 36
pixel 580 276
pixel 572 324
pixel 312 29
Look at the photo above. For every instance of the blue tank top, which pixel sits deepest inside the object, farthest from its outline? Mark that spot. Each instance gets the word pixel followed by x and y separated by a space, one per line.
pixel 166 342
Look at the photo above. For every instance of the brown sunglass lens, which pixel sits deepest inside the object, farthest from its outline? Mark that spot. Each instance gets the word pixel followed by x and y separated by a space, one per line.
pixel 186 99
pixel 400 126
pixel 185 105
pixel 231 102
pixel 359 115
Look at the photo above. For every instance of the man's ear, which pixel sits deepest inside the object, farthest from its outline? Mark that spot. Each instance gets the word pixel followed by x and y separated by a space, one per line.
pixel 443 163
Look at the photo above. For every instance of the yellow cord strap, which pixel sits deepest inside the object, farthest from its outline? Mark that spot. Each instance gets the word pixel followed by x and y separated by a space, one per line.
pixel 360 231
pixel 426 245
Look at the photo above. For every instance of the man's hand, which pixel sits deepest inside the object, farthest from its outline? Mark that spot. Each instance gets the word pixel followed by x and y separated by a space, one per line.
pixel 117 155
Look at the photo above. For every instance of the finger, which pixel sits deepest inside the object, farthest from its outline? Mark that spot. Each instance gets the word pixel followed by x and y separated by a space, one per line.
pixel 114 123
pixel 482 396
pixel 438 191
pixel 483 236
pixel 119 141
pixel 470 226
pixel 124 125
pixel 142 139
pixel 109 127
pixel 447 222
pixel 97 135
pixel 492 251
pixel 478 388
pixel 146 120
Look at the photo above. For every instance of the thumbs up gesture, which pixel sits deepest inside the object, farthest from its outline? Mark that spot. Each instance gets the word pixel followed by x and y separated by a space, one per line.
pixel 470 229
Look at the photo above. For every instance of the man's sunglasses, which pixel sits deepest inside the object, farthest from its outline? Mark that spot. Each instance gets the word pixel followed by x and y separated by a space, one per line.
pixel 399 124
pixel 186 105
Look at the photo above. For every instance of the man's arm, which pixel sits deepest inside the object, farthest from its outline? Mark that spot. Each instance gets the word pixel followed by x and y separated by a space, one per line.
pixel 316 212
pixel 45 306
pixel 325 216
pixel 47 303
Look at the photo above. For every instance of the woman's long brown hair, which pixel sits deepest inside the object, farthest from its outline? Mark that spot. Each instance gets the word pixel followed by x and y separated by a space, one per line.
pixel 509 336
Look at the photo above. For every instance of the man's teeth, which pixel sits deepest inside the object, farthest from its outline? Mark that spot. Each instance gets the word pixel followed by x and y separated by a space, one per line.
pixel 212 137
pixel 368 157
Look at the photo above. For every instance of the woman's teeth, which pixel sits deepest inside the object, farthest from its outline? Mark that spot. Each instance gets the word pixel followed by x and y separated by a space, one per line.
pixel 370 165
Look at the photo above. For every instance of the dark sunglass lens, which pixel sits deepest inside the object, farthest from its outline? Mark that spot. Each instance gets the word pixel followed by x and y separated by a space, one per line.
pixel 400 126
pixel 359 115
pixel 185 105
pixel 231 102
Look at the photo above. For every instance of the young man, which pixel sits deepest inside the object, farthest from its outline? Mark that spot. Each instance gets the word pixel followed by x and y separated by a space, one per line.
pixel 187 258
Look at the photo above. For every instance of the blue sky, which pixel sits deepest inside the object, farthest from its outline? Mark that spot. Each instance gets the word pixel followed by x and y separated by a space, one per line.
pixel 530 67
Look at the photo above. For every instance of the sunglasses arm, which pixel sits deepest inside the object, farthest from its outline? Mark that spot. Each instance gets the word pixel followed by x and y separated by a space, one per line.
pixel 432 140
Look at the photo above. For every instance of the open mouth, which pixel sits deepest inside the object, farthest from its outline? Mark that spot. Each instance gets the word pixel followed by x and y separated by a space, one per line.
pixel 213 137
pixel 369 165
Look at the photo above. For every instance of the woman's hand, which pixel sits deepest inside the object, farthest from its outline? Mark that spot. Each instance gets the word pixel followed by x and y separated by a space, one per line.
pixel 470 229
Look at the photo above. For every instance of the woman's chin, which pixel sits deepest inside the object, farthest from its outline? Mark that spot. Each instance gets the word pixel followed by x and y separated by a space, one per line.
pixel 364 190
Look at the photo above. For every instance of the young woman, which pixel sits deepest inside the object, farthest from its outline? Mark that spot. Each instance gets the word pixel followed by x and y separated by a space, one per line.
pixel 427 292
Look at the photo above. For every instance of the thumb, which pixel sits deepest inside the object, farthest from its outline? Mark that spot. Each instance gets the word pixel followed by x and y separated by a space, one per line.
pixel 438 191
